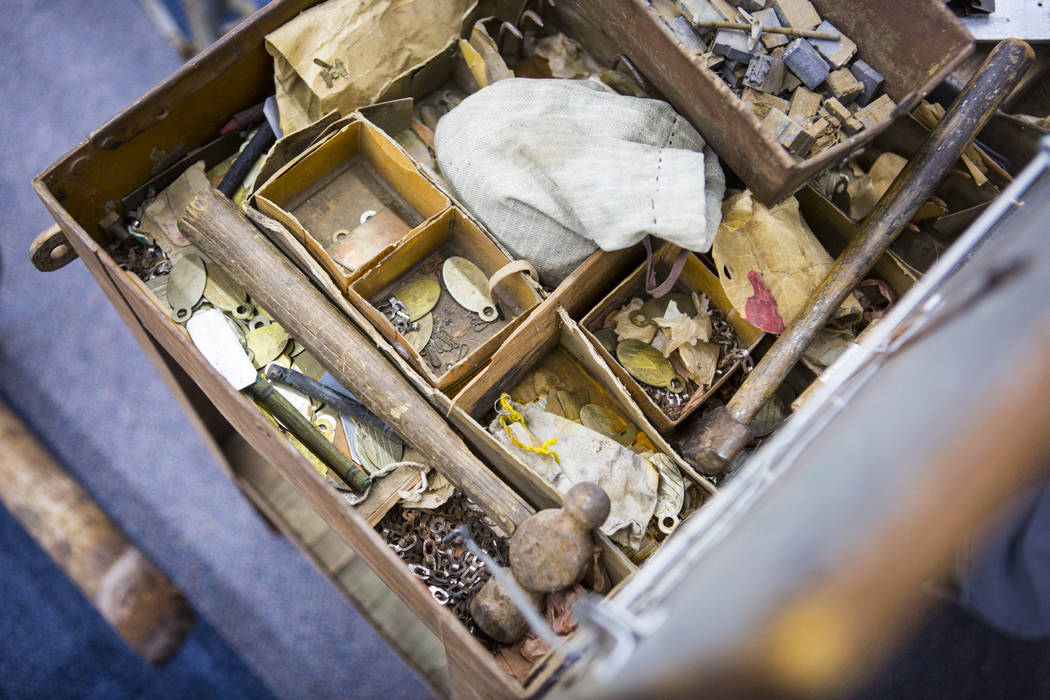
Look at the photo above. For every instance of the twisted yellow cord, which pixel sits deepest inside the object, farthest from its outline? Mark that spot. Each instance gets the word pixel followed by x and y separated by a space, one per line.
pixel 513 416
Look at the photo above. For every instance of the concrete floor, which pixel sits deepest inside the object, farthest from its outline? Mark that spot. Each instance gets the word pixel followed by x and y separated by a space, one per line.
pixel 71 369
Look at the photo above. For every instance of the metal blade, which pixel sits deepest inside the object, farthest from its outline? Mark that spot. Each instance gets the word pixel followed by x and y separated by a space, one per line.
pixel 218 343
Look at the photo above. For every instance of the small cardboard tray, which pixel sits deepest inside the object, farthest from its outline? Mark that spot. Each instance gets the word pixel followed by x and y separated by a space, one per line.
pixel 351 198
pixel 548 330
pixel 695 277
pixel 420 256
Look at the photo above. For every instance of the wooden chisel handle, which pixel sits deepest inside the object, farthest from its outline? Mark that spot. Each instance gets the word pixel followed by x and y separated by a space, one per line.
pixel 230 240
pixel 308 434
pixel 711 441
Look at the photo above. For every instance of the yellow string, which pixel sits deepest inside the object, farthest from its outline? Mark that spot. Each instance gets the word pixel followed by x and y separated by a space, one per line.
pixel 513 416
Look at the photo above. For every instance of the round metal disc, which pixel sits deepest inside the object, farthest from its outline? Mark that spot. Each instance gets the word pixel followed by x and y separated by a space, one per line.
pixel 266 343
pixel 419 297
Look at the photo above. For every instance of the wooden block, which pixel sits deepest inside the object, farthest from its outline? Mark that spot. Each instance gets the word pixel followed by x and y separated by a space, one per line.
pixel 839 51
pixel 787 132
pixel 819 128
pixel 838 112
pixel 852 125
pixel 797 14
pixel 732 44
pixel 791 82
pixel 760 103
pixel 870 78
pixel 881 110
pixel 697 11
pixel 844 86
pixel 804 105
pixel 687 35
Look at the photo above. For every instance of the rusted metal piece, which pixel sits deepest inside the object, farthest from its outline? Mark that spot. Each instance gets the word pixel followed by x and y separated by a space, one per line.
pixel 141 604
pixel 711 442
pixel 552 549
pixel 913 43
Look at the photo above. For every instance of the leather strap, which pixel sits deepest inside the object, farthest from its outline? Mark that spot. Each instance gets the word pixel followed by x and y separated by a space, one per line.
pixel 509 269
pixel 651 287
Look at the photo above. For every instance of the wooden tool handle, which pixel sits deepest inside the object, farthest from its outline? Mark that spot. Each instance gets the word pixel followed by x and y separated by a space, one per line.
pixel 50 250
pixel 223 233
pixel 711 441
pixel 296 423
pixel 141 604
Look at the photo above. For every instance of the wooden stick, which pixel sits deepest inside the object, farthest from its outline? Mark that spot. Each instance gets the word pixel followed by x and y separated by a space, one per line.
pixel 710 442
pixel 230 240
pixel 141 604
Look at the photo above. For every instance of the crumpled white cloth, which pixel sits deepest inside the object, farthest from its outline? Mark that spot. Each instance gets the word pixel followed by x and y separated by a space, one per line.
pixel 629 479
pixel 557 168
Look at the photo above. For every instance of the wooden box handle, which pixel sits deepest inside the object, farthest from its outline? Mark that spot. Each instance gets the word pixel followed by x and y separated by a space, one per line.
pixel 50 250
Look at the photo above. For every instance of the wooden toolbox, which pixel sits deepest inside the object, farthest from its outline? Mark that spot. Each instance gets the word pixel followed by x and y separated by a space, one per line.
pixel 187 110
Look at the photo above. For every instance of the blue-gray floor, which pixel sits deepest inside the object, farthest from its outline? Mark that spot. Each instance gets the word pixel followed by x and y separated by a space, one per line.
pixel 70 368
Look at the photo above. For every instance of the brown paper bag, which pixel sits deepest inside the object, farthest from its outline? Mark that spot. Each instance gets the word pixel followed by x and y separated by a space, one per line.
pixel 376 41
pixel 769 262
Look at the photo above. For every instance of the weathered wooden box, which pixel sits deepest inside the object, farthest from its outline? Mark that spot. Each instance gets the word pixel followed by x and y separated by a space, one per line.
pixel 185 112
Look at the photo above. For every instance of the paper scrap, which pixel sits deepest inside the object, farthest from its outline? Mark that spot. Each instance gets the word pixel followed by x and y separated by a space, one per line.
pixel 769 262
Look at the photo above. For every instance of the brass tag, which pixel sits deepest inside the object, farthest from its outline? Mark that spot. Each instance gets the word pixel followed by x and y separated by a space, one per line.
pixel 645 363
pixel 610 424
pixel 186 286
pixel 419 338
pixel 266 343
pixel 657 308
pixel 468 285
pixel 419 297
pixel 376 448
pixel 325 421
pixel 670 495
pixel 307 364
pixel 222 292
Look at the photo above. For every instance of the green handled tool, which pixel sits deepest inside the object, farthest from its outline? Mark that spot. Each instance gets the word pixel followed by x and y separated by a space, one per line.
pixel 217 341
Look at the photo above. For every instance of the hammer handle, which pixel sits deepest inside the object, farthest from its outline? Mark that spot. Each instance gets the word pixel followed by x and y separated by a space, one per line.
pixel 979 100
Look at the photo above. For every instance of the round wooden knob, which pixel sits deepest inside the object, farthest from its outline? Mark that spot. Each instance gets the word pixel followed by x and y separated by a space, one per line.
pixel 552 549
pixel 587 503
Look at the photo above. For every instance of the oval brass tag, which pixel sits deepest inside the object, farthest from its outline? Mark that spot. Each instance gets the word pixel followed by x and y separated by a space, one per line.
pixel 186 286
pixel 468 285
pixel 266 343
pixel 419 338
pixel 221 290
pixel 645 363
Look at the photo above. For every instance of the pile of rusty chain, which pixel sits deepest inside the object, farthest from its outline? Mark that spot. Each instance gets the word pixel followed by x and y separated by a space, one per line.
pixel 450 571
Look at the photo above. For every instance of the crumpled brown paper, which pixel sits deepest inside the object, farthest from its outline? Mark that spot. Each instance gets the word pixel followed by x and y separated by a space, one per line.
pixel 866 188
pixel 161 217
pixel 769 262
pixel 376 40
